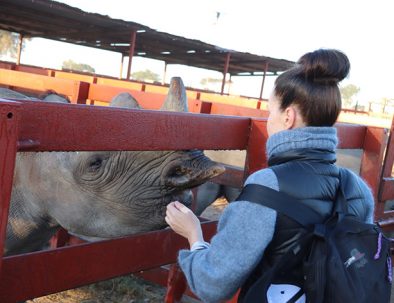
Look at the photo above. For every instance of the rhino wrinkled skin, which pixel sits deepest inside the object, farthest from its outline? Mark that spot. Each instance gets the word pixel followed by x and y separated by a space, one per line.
pixel 101 195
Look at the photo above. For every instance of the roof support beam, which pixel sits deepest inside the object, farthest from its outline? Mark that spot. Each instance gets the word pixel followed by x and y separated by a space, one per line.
pixel 262 84
pixel 20 45
pixel 164 73
pixel 121 66
pixel 131 52
pixel 226 65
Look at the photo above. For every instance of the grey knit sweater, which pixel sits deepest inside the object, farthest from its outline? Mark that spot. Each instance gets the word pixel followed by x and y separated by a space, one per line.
pixel 245 228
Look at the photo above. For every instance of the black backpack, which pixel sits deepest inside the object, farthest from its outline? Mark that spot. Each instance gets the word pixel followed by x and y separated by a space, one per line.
pixel 344 259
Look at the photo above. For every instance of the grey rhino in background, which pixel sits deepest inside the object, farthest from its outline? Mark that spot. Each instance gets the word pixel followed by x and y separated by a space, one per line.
pixel 101 195
pixel 48 96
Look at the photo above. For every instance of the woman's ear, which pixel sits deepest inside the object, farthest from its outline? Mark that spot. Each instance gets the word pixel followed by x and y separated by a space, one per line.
pixel 290 117
pixel 293 118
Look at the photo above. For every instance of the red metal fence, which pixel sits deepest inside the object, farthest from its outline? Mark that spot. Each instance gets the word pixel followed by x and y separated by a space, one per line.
pixel 36 126
pixel 386 186
pixel 29 126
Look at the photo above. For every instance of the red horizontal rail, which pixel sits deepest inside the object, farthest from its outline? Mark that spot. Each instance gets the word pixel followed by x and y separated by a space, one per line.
pixel 75 90
pixel 147 100
pixel 51 271
pixel 105 93
pixel 235 110
pixel 351 136
pixel 86 127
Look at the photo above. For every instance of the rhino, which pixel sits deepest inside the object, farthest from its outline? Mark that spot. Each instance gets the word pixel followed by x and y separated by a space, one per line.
pixel 103 194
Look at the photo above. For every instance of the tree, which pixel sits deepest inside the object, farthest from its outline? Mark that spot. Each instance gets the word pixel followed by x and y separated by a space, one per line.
pixel 9 43
pixel 214 83
pixel 146 75
pixel 70 64
pixel 208 81
pixel 348 92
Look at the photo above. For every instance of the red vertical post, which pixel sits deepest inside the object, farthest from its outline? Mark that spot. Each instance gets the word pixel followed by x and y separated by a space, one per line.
pixel 226 64
pixel 386 184
pixel 60 239
pixel 9 118
pixel 131 52
pixel 255 153
pixel 255 158
pixel 176 284
pixel 262 83
pixel 80 92
pixel 371 163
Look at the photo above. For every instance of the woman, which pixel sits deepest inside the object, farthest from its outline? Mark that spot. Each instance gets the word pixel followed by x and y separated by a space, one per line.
pixel 303 107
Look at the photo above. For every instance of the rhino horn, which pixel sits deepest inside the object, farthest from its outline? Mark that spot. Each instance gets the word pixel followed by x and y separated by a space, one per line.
pixel 176 100
pixel 124 100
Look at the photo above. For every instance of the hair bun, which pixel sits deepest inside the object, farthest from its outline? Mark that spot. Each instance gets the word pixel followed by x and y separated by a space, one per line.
pixel 325 65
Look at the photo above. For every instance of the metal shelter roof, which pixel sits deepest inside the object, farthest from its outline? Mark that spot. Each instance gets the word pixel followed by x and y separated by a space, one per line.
pixel 61 22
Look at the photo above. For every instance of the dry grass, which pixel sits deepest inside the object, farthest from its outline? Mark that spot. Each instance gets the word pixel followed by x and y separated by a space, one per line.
pixel 126 289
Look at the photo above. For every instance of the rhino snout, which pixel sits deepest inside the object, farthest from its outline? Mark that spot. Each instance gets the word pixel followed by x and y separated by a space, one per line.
pixel 188 176
pixel 185 197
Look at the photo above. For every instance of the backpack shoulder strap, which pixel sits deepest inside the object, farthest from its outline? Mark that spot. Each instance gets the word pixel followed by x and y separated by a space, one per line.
pixel 280 202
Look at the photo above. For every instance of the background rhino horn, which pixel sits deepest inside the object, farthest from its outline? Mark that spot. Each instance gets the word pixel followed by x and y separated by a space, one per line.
pixel 176 100
pixel 124 100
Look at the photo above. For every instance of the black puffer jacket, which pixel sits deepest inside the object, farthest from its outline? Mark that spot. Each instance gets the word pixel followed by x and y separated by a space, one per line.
pixel 310 176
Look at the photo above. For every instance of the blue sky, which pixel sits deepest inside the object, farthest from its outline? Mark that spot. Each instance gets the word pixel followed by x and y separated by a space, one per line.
pixel 281 29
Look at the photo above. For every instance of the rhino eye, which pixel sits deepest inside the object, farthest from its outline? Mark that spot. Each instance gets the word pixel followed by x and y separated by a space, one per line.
pixel 94 164
pixel 179 171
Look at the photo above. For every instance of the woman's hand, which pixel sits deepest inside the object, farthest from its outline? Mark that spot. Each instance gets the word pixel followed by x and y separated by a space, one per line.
pixel 184 222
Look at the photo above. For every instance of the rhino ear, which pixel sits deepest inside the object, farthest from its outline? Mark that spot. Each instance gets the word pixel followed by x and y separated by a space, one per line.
pixel 124 100
pixel 176 100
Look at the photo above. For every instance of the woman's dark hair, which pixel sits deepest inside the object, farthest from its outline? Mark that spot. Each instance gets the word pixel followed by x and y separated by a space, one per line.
pixel 312 85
